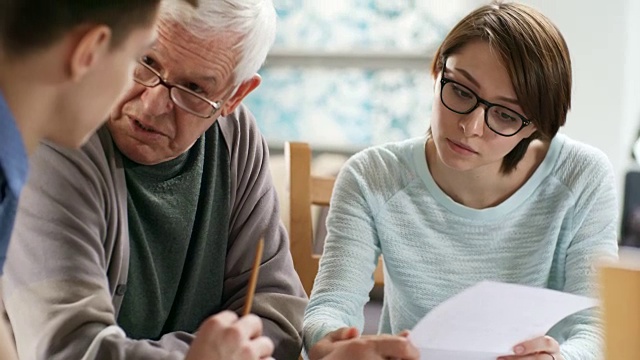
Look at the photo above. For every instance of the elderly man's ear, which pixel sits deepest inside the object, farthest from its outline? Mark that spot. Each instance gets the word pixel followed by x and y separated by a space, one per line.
pixel 243 90
pixel 87 47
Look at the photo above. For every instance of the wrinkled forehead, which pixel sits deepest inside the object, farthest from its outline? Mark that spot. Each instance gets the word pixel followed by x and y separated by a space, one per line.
pixel 180 47
pixel 173 33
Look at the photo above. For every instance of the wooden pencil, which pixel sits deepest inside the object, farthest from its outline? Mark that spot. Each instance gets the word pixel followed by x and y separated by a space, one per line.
pixel 254 278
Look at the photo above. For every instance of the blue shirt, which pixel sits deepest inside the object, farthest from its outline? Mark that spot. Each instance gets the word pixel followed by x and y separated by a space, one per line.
pixel 548 234
pixel 13 174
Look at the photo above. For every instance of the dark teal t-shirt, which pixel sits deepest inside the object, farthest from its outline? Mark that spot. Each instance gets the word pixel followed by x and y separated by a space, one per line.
pixel 178 215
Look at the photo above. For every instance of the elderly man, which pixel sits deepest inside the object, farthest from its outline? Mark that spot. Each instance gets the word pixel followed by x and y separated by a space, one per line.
pixel 136 241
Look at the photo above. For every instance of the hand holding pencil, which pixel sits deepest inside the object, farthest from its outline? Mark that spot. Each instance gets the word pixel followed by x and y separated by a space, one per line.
pixel 225 336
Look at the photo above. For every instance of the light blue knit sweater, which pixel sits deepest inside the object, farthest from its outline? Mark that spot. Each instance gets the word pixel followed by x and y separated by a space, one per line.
pixel 547 234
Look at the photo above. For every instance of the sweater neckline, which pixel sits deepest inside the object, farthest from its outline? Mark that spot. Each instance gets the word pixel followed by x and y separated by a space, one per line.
pixel 521 195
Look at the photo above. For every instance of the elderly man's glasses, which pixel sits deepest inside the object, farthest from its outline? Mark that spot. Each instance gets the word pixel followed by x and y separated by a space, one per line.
pixel 184 98
pixel 462 100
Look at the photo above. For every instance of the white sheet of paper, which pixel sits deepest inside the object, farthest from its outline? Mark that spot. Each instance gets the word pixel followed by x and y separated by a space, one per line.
pixel 487 320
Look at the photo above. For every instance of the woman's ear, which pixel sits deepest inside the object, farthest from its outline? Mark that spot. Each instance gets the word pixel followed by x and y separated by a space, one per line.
pixel 531 131
pixel 92 45
pixel 243 90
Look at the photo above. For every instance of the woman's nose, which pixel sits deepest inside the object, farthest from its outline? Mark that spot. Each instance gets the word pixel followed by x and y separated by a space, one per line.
pixel 473 122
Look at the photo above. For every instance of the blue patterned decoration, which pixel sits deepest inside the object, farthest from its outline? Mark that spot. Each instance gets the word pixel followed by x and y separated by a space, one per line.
pixel 351 107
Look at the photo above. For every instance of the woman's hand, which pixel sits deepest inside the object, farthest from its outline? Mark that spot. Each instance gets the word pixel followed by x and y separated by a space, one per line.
pixel 540 348
pixel 345 343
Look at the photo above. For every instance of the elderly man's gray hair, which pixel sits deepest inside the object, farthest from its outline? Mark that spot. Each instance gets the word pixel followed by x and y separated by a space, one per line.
pixel 253 20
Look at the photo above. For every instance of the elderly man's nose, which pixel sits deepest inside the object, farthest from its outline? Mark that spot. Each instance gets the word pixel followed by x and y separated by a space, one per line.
pixel 157 100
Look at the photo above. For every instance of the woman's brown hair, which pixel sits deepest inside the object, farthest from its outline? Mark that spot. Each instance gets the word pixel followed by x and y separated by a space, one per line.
pixel 536 56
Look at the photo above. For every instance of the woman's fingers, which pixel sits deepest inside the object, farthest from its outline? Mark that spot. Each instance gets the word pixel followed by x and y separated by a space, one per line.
pixel 540 344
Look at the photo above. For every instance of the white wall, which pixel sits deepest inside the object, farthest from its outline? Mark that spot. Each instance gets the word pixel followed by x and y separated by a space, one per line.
pixel 631 110
pixel 604 41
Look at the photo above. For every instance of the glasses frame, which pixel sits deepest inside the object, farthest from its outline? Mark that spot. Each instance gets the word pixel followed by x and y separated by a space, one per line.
pixel 479 100
pixel 161 80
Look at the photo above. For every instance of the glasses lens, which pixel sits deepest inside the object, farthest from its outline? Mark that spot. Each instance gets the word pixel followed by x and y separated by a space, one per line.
pixel 458 98
pixel 503 121
pixel 191 102
pixel 145 76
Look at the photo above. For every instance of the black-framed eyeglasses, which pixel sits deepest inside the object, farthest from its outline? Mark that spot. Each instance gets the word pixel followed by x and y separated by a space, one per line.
pixel 184 98
pixel 462 100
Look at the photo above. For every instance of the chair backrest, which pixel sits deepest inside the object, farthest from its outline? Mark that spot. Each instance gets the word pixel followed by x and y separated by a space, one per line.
pixel 619 292
pixel 305 190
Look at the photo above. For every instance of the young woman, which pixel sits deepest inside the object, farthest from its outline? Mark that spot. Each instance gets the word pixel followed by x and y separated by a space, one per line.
pixel 493 192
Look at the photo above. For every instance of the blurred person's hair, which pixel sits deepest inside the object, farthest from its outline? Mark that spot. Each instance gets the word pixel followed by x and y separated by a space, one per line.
pixel 27 26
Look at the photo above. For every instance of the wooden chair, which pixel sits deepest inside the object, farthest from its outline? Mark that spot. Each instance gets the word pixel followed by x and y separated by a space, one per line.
pixel 620 296
pixel 305 190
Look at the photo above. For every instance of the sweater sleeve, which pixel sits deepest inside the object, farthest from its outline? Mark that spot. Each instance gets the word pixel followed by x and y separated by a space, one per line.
pixel 56 286
pixel 350 256
pixel 593 237
pixel 279 299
